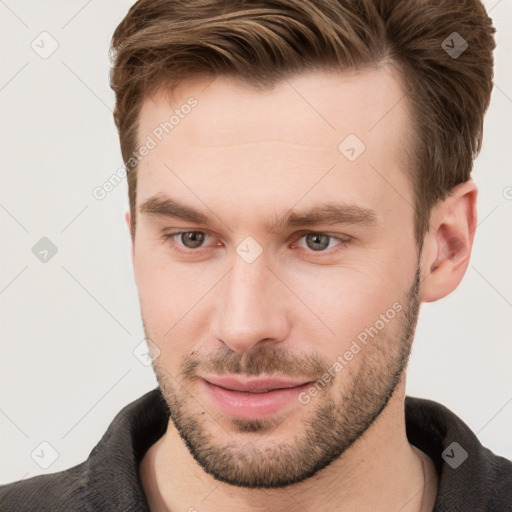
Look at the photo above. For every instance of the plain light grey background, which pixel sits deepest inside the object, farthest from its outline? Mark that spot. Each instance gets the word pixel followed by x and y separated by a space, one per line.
pixel 70 325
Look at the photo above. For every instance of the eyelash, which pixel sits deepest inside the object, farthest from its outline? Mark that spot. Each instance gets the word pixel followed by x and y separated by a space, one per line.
pixel 170 238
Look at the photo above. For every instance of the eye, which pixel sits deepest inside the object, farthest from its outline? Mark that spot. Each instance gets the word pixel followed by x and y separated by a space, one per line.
pixel 186 240
pixel 319 242
pixel 192 241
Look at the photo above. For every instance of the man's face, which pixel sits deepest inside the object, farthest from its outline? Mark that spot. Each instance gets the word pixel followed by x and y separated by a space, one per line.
pixel 332 302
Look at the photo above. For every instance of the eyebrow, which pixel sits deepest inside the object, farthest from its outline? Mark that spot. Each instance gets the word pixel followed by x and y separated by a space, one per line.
pixel 328 213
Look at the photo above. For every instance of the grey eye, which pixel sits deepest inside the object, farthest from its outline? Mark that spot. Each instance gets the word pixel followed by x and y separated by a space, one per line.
pixel 317 241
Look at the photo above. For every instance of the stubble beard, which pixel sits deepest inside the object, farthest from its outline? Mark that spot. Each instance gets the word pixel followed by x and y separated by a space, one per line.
pixel 334 424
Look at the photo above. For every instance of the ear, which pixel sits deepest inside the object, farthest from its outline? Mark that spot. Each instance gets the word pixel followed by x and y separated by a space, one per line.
pixel 128 220
pixel 447 245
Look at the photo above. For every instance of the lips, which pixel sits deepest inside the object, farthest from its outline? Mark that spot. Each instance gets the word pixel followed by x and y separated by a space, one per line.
pixel 253 385
pixel 253 398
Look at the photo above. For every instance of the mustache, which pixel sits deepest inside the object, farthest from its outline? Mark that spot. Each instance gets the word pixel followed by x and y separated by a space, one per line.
pixel 261 360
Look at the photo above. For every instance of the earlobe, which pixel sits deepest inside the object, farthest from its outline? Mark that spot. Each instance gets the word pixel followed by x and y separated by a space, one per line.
pixel 447 246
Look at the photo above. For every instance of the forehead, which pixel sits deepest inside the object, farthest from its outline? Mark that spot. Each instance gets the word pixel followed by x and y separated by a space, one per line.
pixel 303 109
pixel 240 142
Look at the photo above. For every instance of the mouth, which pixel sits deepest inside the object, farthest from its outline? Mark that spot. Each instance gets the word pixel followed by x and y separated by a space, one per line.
pixel 253 398
pixel 263 385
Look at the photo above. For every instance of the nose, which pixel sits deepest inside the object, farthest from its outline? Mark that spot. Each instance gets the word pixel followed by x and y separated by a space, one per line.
pixel 252 307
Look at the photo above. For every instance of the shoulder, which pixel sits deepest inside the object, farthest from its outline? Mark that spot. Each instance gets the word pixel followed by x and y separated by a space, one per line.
pixel 55 492
pixel 498 478
pixel 471 476
pixel 108 479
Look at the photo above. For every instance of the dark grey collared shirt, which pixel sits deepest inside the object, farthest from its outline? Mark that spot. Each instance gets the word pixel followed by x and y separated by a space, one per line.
pixel 471 477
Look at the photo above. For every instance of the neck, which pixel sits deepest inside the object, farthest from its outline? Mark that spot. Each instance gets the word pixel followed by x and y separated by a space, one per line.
pixel 380 471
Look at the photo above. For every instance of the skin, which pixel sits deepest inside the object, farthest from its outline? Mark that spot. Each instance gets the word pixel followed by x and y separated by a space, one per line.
pixel 244 158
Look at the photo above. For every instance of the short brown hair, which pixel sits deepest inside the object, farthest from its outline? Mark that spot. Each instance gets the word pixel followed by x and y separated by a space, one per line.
pixel 161 43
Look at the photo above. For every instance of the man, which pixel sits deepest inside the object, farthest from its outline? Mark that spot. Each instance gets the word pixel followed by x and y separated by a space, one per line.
pixel 299 182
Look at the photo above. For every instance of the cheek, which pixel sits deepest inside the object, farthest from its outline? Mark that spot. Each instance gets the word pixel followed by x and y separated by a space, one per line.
pixel 161 294
pixel 173 296
pixel 347 301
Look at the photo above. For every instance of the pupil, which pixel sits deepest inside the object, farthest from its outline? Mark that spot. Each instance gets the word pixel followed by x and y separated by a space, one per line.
pixel 193 239
pixel 315 239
